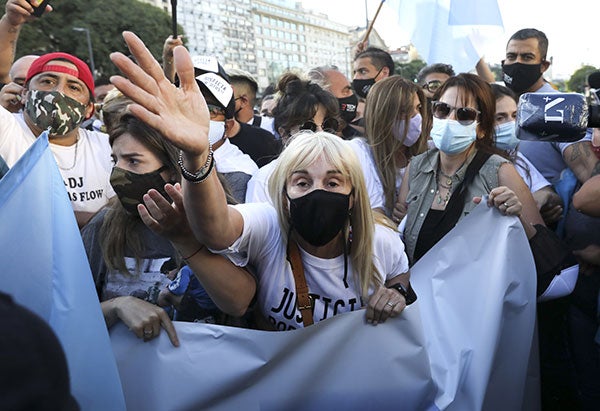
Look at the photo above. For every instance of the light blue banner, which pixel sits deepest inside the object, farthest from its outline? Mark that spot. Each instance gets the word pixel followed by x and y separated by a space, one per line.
pixel 464 345
pixel 44 267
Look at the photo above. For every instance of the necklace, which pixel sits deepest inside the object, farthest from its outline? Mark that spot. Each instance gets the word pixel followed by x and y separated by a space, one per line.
pixel 440 200
pixel 74 157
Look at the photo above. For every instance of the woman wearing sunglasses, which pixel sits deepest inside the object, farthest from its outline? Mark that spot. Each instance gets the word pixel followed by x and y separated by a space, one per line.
pixel 445 183
pixel 304 105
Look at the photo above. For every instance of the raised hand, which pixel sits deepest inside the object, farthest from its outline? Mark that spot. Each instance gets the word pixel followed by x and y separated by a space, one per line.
pixel 180 114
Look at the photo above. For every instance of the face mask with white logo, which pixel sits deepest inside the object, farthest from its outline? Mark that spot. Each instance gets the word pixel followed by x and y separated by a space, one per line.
pixel 451 137
pixel 506 138
pixel 216 131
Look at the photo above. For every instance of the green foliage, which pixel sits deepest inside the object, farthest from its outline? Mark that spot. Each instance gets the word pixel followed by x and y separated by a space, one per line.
pixel 409 70
pixel 106 20
pixel 578 80
pixel 496 71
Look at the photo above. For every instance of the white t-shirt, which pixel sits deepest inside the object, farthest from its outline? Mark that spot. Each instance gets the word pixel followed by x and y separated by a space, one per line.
pixel 85 166
pixel 258 190
pixel 266 123
pixel 258 185
pixel 262 246
pixel 230 159
pixel 532 177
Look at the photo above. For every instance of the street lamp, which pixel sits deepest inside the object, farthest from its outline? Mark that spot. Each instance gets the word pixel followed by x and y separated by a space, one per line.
pixel 90 51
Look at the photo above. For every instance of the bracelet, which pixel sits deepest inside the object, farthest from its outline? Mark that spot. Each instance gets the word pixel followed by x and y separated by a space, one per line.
pixel 200 175
pixel 194 253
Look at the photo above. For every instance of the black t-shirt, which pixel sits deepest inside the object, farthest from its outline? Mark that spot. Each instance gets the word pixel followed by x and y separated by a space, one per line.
pixel 259 144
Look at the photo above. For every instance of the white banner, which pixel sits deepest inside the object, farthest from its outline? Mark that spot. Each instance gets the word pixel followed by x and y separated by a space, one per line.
pixel 464 345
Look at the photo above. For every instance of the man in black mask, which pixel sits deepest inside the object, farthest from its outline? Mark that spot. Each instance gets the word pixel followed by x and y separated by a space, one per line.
pixel 526 62
pixel 370 66
pixel 330 78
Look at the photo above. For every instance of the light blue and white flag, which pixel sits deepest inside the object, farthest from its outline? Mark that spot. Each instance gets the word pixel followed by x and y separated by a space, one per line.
pixel 449 31
pixel 44 268
pixel 464 345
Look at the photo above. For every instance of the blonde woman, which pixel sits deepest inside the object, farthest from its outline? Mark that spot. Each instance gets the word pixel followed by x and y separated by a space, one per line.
pixel 319 198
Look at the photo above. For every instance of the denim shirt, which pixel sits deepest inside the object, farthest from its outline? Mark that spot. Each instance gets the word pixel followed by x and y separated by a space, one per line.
pixel 422 180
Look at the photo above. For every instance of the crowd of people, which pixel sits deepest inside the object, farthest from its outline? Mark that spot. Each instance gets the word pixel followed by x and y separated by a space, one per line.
pixel 198 202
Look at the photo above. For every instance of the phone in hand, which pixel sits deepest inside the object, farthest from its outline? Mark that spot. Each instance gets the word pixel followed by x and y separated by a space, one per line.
pixel 39 6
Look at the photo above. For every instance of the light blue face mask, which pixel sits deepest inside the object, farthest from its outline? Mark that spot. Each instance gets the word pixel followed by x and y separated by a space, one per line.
pixel 451 137
pixel 506 138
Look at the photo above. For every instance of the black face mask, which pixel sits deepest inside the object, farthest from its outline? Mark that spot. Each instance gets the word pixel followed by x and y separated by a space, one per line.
pixel 520 77
pixel 348 106
pixel 319 215
pixel 131 187
pixel 362 87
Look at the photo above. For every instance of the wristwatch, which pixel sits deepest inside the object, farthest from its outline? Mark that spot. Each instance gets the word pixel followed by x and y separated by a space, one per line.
pixel 409 294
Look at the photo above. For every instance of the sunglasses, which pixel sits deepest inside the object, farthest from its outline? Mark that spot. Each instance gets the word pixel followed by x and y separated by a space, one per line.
pixel 464 115
pixel 329 124
pixel 433 85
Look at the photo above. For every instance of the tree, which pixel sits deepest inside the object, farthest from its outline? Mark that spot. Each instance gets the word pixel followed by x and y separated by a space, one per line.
pixel 578 80
pixel 409 70
pixel 105 19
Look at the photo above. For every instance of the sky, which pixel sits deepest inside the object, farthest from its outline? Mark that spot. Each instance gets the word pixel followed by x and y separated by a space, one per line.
pixel 574 40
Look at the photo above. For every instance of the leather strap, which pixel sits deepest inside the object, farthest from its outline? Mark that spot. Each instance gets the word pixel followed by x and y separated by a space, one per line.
pixel 304 300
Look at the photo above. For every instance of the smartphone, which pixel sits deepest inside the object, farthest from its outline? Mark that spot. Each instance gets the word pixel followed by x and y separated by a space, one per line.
pixel 39 6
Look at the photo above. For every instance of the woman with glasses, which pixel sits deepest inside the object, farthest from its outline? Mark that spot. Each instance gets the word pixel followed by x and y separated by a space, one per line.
pixel 395 119
pixel 300 246
pixel 304 105
pixel 444 184
pixel 301 105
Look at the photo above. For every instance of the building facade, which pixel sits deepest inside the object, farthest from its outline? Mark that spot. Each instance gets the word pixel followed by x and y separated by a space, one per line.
pixel 264 37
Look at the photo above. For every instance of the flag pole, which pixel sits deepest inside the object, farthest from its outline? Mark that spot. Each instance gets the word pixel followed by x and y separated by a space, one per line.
pixel 368 32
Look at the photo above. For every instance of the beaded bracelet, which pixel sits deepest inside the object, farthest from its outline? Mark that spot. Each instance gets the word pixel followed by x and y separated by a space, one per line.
pixel 201 174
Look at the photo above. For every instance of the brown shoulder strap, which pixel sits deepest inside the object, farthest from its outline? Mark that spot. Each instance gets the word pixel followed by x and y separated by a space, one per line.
pixel 304 300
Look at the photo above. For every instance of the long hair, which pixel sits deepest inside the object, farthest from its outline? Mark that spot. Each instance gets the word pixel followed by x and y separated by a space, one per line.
pixel 473 86
pixel 389 101
pixel 121 230
pixel 302 151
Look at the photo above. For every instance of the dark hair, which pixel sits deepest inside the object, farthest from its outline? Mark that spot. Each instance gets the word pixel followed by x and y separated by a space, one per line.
pixel 244 78
pixel 298 102
pixel 480 90
pixel 434 68
pixel 379 58
pixel 500 92
pixel 525 34
pixel 102 81
pixel 503 91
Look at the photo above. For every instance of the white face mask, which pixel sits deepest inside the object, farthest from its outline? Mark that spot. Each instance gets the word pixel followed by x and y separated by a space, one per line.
pixel 216 131
pixel 413 133
pixel 451 137
pixel 506 138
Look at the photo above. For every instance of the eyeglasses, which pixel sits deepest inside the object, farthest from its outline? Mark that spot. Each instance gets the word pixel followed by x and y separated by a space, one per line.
pixel 329 124
pixel 433 85
pixel 464 115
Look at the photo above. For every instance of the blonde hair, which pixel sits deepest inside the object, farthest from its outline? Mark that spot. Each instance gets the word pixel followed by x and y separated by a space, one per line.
pixel 389 101
pixel 302 151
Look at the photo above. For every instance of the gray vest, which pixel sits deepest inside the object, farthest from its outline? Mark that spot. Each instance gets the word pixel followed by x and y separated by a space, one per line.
pixel 423 185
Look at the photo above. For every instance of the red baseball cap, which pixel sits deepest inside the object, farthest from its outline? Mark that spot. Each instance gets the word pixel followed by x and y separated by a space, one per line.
pixel 83 73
